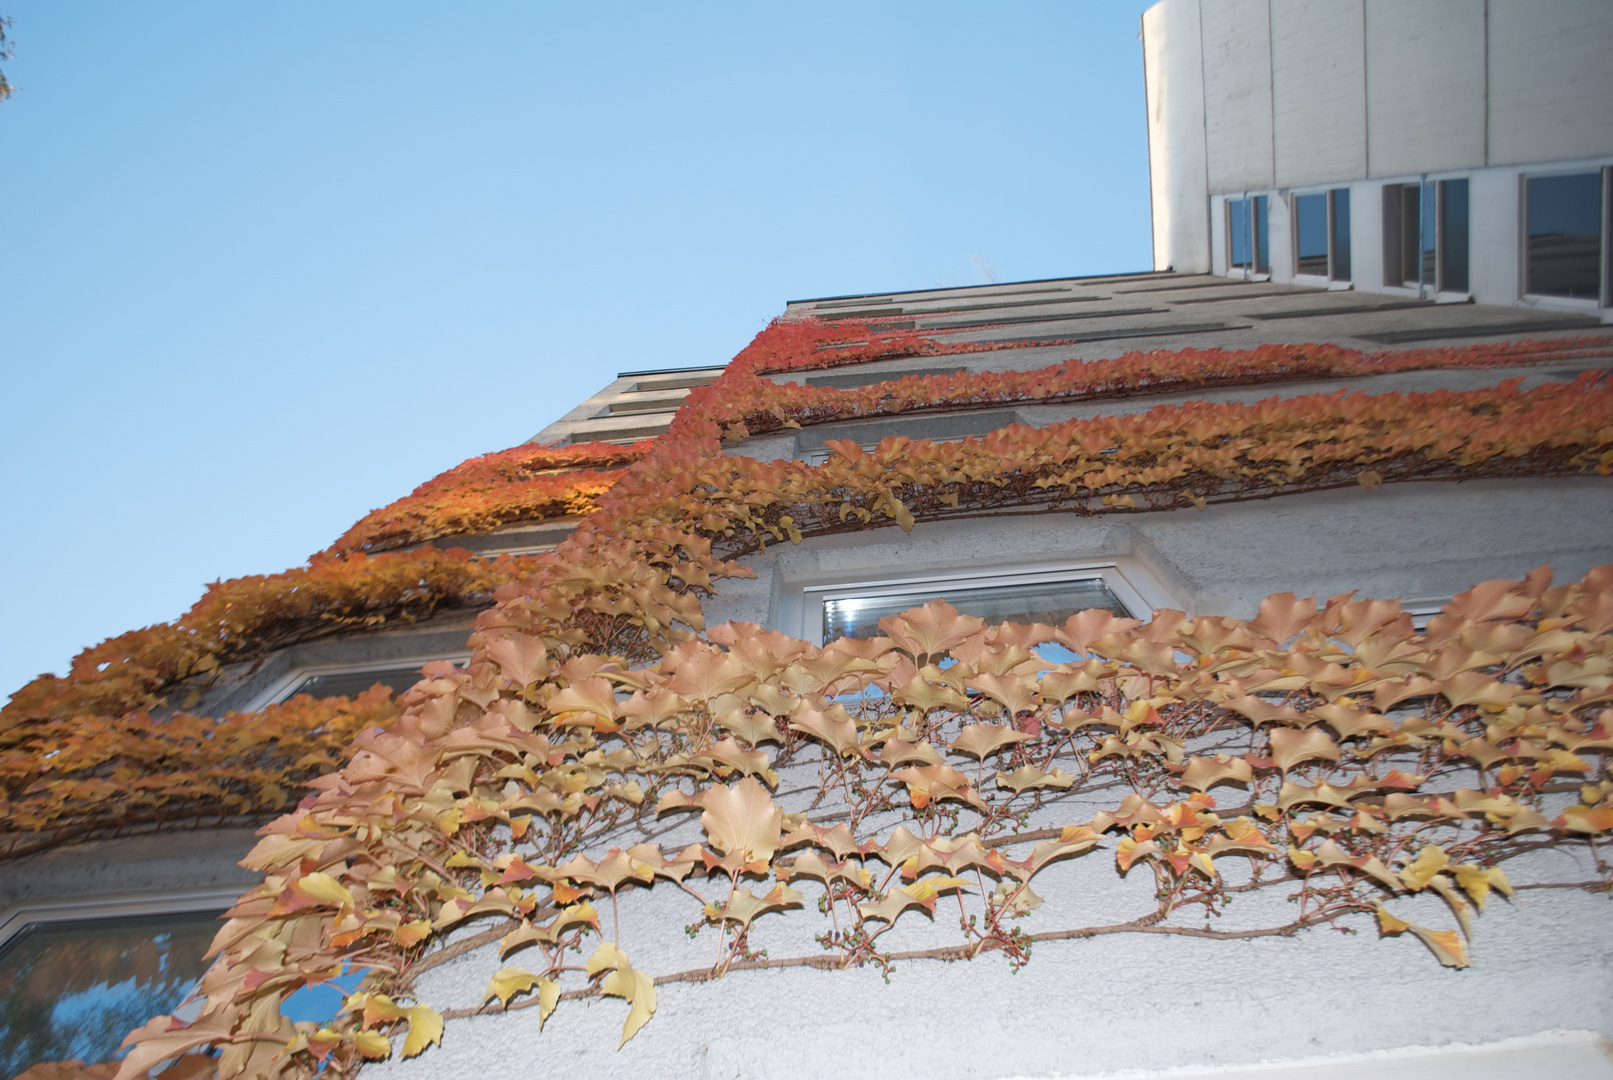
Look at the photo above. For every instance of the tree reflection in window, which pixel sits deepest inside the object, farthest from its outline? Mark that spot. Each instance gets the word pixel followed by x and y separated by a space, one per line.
pixel 74 989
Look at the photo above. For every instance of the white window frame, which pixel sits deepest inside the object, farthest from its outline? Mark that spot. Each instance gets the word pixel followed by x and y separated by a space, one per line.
pixel 281 689
pixel 1251 272
pixel 15 919
pixel 1325 280
pixel 801 608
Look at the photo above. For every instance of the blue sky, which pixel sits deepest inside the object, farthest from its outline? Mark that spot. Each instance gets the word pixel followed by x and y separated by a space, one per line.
pixel 266 267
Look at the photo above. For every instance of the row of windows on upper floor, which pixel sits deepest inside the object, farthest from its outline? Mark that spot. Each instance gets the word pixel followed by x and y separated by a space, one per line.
pixel 1565 238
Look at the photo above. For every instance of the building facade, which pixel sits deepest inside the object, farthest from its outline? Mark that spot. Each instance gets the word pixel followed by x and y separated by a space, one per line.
pixel 1457 150
pixel 1352 203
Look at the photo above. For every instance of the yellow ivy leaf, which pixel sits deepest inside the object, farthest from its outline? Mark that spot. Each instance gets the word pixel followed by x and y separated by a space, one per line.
pixel 372 1044
pixel 425 1028
pixel 507 982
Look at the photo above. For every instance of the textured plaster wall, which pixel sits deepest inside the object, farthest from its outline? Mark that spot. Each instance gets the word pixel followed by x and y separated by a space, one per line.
pixel 141 864
pixel 1107 1003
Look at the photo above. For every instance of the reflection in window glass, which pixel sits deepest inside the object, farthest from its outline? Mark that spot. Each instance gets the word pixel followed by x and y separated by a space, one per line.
pixel 74 989
pixel 1246 235
pixel 1429 224
pixel 1049 602
pixel 352 683
pixel 1262 243
pixel 1341 233
pixel 1239 236
pixel 1310 223
pixel 1565 235
pixel 1453 235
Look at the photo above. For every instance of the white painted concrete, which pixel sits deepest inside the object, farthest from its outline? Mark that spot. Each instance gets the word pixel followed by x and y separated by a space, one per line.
pixel 1237 93
pixel 1425 85
pixel 1550 80
pixel 1174 77
pixel 1319 108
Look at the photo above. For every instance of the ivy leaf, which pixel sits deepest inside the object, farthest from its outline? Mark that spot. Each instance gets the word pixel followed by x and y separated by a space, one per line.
pixel 1032 777
pixel 425 1028
pixel 1203 773
pixel 743 905
pixel 507 982
pixel 743 824
pixel 1289 747
pixel 979 740
pixel 834 728
pixel 372 1045
pixel 634 987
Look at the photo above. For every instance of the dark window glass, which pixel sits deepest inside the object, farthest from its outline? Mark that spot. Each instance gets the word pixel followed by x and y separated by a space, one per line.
pixel 1409 221
pixel 1429 224
pixel 1310 227
pixel 1565 235
pixel 352 683
pixel 1238 234
pixel 1341 233
pixel 74 989
pixel 1262 244
pixel 1453 235
pixel 1051 602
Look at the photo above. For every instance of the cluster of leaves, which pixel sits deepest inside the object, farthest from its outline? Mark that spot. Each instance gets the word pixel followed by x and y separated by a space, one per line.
pixel 524 483
pixel 745 404
pixel 594 712
pixel 1331 752
pixel 1186 455
pixel 63 776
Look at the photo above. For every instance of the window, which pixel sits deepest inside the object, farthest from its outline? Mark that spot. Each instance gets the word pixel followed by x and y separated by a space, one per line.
pixel 348 680
pixel 73 987
pixel 1425 235
pixel 1049 595
pixel 1311 234
pixel 1322 234
pixel 1248 245
pixel 1564 253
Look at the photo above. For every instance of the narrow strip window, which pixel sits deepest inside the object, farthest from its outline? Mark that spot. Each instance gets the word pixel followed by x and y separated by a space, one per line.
pixel 1453 217
pixel 1564 241
pixel 1248 246
pixel 1311 234
pixel 1049 602
pixel 1339 209
pixel 327 684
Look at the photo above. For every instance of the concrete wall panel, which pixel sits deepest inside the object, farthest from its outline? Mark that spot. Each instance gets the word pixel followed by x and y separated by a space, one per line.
pixel 1237 93
pixel 1551 80
pixel 1319 91
pixel 1174 76
pixel 1495 217
pixel 1425 85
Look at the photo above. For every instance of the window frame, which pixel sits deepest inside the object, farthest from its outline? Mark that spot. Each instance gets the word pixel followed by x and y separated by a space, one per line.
pixel 1254 269
pixel 1430 211
pixel 1604 298
pixel 801 607
pixel 283 688
pixel 58 909
pixel 1330 279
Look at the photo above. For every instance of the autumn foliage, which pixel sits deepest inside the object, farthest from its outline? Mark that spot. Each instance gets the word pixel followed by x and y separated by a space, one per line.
pixel 1329 750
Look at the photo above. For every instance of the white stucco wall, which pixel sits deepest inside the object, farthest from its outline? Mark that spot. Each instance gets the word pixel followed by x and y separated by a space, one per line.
pixel 1174 79
pixel 1550 80
pixel 1319 109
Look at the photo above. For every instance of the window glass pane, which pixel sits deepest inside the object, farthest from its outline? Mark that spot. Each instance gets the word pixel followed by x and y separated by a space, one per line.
pixel 1310 221
pixel 1048 602
pixel 1410 221
pixel 1453 235
pixel 1262 244
pixel 1341 233
pixel 1238 232
pixel 74 989
pixel 351 683
pixel 1565 226
pixel 1430 231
